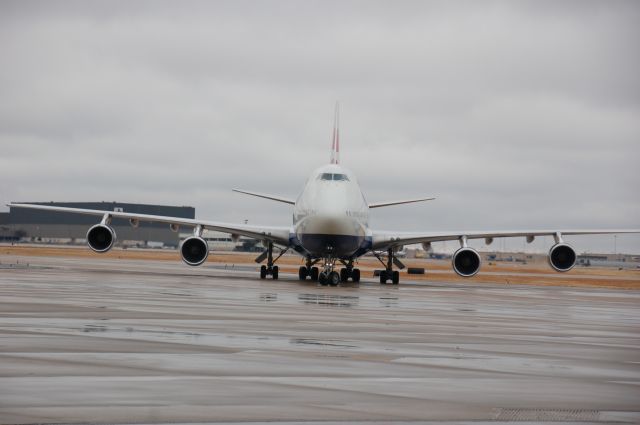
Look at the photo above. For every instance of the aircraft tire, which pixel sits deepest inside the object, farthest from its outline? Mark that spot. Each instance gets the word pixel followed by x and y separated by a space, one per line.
pixel 333 278
pixel 383 277
pixel 355 275
pixel 314 274
pixel 395 277
pixel 263 272
pixel 302 273
pixel 322 278
pixel 274 273
pixel 344 275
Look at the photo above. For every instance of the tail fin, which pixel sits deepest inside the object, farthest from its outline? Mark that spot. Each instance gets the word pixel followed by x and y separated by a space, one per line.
pixel 335 143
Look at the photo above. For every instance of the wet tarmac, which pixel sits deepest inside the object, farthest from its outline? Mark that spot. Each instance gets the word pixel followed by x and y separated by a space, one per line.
pixel 102 341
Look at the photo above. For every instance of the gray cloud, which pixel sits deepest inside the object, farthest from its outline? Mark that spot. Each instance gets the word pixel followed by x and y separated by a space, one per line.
pixel 514 114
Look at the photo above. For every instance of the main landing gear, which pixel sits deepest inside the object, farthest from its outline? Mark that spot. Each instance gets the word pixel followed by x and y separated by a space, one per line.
pixel 309 270
pixel 388 273
pixel 270 269
pixel 328 275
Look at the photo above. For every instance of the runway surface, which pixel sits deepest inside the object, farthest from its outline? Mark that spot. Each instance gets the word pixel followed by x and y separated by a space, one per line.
pixel 107 341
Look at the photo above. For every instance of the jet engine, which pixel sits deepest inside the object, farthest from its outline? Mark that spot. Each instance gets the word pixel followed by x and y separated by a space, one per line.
pixel 562 257
pixel 466 262
pixel 101 238
pixel 194 250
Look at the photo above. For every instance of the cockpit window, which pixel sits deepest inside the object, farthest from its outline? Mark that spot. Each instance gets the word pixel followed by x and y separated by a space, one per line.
pixel 334 177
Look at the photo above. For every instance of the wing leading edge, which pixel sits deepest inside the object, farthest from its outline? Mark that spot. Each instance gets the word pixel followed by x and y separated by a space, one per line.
pixel 279 235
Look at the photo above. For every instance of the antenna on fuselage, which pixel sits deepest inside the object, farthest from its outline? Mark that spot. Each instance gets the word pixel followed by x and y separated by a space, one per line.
pixel 335 142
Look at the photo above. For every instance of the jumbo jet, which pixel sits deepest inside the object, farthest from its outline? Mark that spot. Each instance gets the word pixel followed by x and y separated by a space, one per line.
pixel 330 229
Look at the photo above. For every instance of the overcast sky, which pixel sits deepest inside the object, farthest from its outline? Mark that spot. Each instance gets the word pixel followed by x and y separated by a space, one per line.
pixel 513 114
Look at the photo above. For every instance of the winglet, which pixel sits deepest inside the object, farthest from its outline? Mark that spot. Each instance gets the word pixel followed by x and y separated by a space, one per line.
pixel 335 140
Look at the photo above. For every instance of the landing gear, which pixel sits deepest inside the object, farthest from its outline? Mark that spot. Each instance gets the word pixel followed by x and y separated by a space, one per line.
pixel 388 273
pixel 270 269
pixel 309 270
pixel 328 275
pixel 331 278
pixel 350 272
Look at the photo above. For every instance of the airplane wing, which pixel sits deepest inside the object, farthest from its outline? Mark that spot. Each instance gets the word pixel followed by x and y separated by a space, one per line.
pixel 383 240
pixel 389 203
pixel 278 235
pixel 267 196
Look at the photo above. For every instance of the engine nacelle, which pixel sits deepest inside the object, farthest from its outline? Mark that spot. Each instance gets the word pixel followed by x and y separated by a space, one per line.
pixel 194 250
pixel 466 262
pixel 562 257
pixel 101 238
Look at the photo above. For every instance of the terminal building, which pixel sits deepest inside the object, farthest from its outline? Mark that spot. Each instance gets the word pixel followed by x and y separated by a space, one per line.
pixel 28 225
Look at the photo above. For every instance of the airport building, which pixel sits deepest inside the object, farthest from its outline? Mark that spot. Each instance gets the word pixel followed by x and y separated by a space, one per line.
pixel 28 225
pixel 219 241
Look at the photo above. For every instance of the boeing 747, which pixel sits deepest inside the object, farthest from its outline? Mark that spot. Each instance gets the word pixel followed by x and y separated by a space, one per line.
pixel 330 230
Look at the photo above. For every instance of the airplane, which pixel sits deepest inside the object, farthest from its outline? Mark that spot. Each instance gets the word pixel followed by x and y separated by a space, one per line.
pixel 330 228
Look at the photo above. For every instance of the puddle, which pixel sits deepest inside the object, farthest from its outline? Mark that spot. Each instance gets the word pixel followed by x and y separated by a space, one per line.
pixel 303 341
pixel 179 294
pixel 94 328
pixel 268 297
pixel 329 300
pixel 388 301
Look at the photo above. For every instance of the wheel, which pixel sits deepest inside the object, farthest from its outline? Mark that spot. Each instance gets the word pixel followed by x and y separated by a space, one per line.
pixel 344 275
pixel 263 272
pixel 355 275
pixel 322 278
pixel 383 277
pixel 274 272
pixel 395 277
pixel 333 278
pixel 302 273
pixel 314 273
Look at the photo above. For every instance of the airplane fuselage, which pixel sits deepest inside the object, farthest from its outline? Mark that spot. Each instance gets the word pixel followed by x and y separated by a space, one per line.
pixel 331 215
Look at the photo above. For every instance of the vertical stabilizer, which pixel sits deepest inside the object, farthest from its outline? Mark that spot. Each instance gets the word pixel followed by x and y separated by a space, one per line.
pixel 335 142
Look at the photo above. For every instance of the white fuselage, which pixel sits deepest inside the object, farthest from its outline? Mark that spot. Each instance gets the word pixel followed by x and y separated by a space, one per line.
pixel 331 215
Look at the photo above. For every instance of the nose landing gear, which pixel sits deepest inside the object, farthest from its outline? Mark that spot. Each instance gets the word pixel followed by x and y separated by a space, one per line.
pixel 328 276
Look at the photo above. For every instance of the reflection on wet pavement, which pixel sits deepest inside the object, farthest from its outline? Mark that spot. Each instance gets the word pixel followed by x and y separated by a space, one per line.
pixel 268 297
pixel 329 300
pixel 388 301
